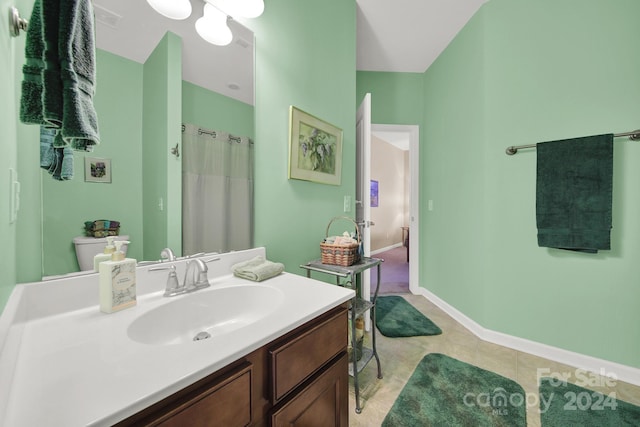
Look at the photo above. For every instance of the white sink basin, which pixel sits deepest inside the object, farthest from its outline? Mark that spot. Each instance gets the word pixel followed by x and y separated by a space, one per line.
pixel 207 313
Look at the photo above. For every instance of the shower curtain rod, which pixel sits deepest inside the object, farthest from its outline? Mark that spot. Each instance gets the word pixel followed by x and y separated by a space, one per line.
pixel 633 136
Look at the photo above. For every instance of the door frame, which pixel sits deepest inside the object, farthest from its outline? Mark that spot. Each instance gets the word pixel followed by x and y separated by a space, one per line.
pixel 413 132
pixel 363 207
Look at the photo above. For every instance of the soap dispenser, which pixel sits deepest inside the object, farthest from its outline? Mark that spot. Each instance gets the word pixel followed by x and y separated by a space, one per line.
pixel 106 255
pixel 117 281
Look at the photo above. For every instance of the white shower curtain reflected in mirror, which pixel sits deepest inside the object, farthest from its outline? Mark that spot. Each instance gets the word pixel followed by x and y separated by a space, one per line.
pixel 217 191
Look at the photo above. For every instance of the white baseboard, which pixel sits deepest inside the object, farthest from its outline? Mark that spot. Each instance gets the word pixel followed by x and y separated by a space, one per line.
pixel 388 248
pixel 621 372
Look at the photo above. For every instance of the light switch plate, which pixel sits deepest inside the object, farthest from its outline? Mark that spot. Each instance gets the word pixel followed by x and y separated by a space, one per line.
pixel 14 196
pixel 347 203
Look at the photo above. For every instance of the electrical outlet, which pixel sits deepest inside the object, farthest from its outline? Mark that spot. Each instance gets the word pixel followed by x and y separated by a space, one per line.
pixel 347 203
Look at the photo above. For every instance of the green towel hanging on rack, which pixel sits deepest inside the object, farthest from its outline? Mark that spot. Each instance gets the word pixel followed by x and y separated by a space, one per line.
pixel 574 193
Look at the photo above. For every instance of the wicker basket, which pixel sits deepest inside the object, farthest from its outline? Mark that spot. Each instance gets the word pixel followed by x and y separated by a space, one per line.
pixel 343 255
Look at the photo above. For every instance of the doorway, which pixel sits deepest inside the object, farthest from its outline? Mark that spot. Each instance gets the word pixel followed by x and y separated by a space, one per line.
pixel 406 138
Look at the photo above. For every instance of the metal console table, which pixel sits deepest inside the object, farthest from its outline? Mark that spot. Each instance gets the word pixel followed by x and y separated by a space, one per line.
pixel 358 307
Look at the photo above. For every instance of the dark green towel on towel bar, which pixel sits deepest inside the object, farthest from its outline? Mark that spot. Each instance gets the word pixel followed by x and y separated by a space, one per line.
pixel 574 192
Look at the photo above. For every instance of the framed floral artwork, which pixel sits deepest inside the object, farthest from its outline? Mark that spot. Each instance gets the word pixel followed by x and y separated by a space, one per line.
pixel 315 149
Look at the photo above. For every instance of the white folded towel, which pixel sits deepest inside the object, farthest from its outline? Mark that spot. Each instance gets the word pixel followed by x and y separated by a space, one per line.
pixel 257 269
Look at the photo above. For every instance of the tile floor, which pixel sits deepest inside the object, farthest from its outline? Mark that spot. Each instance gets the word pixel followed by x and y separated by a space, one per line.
pixel 399 356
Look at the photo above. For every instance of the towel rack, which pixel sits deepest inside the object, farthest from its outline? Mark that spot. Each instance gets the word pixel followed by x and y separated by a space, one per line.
pixel 634 135
pixel 16 23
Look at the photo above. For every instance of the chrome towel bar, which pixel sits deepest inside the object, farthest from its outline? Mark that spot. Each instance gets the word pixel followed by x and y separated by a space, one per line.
pixel 633 135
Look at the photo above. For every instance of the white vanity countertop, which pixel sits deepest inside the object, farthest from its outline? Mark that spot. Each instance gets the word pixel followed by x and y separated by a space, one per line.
pixel 79 367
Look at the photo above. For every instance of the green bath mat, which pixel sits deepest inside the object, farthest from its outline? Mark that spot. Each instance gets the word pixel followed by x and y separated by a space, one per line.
pixel 395 317
pixel 566 404
pixel 443 391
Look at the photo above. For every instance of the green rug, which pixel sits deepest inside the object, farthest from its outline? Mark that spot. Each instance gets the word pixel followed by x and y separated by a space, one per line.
pixel 565 404
pixel 443 391
pixel 395 317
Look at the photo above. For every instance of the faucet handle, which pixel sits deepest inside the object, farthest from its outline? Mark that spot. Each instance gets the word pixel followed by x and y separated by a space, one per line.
pixel 173 284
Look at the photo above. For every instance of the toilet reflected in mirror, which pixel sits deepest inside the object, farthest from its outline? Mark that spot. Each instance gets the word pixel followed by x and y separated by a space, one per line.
pixel 88 247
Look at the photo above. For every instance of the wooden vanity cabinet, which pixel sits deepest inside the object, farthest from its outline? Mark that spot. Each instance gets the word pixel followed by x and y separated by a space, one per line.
pixel 300 378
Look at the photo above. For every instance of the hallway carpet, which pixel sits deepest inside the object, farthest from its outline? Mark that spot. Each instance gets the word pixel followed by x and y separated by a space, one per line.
pixel 394 272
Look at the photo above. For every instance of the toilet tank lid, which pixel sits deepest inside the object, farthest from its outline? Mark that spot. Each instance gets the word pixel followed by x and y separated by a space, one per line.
pixel 83 240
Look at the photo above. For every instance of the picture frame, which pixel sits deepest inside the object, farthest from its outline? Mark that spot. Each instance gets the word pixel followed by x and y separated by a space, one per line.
pixel 97 170
pixel 374 193
pixel 315 149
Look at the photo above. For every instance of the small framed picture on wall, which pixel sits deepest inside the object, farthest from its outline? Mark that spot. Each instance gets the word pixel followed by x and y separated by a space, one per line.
pixel 97 170
pixel 374 193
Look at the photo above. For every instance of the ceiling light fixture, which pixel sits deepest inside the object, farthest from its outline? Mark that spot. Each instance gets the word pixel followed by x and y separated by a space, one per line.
pixel 212 26
pixel 174 9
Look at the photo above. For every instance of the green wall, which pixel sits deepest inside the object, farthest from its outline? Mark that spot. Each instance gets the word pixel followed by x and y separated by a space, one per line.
pixel 523 72
pixel 28 229
pixel 212 110
pixel 452 175
pixel 12 50
pixel 306 57
pixel 396 98
pixel 161 171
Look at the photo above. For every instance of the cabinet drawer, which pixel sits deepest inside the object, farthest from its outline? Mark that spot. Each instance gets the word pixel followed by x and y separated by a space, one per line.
pixel 322 403
pixel 301 356
pixel 226 404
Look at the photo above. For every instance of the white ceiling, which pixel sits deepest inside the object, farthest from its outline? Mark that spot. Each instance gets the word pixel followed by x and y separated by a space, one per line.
pixel 398 35
pixel 408 35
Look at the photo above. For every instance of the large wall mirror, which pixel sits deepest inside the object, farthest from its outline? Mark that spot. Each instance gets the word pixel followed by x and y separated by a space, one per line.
pixel 217 93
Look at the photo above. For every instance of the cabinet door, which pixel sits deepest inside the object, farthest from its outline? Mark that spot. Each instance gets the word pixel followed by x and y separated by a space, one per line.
pixel 322 403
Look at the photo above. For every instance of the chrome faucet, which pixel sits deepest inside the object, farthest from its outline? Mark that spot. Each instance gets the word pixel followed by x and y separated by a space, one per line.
pixel 196 276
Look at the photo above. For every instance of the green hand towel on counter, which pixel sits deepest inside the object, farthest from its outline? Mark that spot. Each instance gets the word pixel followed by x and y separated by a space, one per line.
pixel 257 269
pixel 574 193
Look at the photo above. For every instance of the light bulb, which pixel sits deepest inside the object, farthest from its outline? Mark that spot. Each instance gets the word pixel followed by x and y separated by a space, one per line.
pixel 213 26
pixel 240 8
pixel 174 9
pixel 250 8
